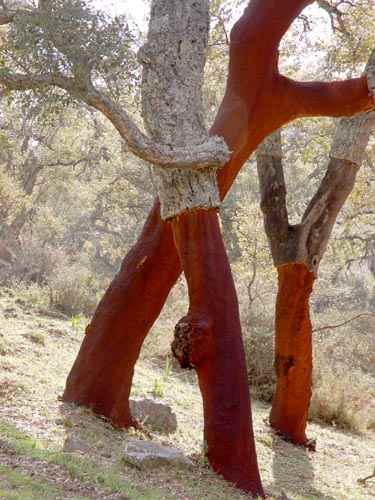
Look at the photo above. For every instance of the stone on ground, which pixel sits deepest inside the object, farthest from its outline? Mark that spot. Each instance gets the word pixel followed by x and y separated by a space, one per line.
pixel 148 454
pixel 158 417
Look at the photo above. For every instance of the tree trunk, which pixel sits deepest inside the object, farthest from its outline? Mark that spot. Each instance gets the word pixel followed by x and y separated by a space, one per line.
pixel 297 251
pixel 293 352
pixel 209 340
pixel 102 374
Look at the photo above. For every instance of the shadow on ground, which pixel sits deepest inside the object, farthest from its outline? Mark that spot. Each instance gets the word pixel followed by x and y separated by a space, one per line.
pixel 293 471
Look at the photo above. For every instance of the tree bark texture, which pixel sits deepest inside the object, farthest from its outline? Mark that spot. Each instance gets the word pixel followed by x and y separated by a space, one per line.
pixel 102 374
pixel 172 83
pixel 258 100
pixel 209 340
pixel 293 352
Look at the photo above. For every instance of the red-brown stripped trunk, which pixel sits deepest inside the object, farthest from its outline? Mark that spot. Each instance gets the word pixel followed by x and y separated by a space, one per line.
pixel 209 340
pixel 102 374
pixel 293 352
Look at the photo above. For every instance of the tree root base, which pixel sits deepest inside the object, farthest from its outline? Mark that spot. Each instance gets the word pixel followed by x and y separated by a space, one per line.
pixel 309 444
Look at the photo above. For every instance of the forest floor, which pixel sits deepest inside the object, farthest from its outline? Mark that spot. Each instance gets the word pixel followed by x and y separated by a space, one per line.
pixel 38 432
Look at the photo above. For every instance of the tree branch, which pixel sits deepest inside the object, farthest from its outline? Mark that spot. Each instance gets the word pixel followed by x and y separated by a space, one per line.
pixel 273 193
pixel 347 153
pixel 335 14
pixel 20 82
pixel 343 98
pixel 213 153
pixel 339 98
pixel 272 22
pixel 332 327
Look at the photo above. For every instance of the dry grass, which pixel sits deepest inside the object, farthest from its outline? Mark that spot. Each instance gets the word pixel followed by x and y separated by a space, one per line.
pixel 344 373
pixel 35 374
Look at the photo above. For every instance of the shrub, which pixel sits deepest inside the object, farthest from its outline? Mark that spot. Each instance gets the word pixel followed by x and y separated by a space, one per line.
pixel 259 350
pixel 35 262
pixel 73 290
pixel 342 397
pixel 259 357
pixel 33 294
pixel 344 372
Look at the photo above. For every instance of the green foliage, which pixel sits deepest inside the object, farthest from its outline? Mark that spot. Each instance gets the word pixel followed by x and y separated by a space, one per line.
pixel 76 323
pixel 160 382
pixel 64 34
pixel 70 38
pixel 158 388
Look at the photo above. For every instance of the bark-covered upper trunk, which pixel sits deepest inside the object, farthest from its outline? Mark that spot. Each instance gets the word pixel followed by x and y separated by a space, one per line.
pixel 307 241
pixel 174 58
pixel 173 69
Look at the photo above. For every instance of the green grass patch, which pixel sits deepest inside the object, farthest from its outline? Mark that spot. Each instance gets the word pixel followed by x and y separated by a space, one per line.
pixel 16 485
pixel 78 468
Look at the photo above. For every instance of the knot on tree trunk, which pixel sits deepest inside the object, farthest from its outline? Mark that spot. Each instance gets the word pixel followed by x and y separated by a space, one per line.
pixel 283 364
pixel 192 342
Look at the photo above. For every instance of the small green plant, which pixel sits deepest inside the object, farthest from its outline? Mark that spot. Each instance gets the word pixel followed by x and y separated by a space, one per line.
pixel 81 469
pixel 36 338
pixel 159 383
pixel 167 367
pixel 158 388
pixel 21 486
pixel 76 323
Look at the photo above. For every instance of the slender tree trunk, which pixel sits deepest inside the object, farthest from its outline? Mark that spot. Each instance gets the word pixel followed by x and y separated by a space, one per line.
pixel 209 340
pixel 102 374
pixel 293 352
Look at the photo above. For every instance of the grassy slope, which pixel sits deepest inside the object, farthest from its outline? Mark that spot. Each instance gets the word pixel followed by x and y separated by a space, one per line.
pixel 36 352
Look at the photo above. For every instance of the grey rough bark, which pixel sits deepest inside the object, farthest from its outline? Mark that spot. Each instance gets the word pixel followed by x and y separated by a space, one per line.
pixel 307 241
pixel 173 59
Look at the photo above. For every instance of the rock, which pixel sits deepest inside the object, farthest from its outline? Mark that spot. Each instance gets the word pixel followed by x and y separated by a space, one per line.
pixel 148 454
pixel 73 444
pixel 156 416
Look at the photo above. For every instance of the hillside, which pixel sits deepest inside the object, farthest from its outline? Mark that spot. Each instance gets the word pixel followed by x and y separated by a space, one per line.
pixel 52 450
